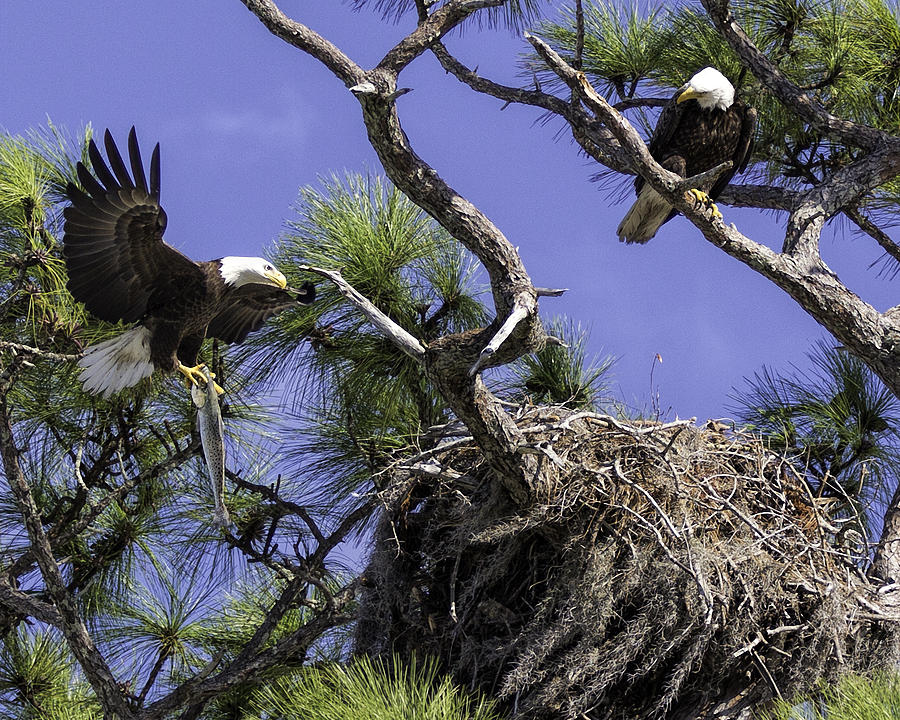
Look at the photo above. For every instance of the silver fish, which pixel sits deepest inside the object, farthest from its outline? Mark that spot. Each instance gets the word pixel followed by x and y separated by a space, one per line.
pixel 212 437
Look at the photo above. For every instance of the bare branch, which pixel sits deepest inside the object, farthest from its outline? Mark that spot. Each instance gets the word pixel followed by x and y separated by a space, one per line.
pixel 770 75
pixel 519 313
pixel 865 224
pixel 28 350
pixel 430 31
pixel 307 40
pixel 400 337
pixel 595 138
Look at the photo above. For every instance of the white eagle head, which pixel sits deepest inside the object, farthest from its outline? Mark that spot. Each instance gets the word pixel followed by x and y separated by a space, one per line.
pixel 710 88
pixel 237 271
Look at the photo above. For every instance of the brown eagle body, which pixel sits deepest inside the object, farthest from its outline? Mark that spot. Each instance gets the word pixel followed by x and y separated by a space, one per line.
pixel 121 269
pixel 701 127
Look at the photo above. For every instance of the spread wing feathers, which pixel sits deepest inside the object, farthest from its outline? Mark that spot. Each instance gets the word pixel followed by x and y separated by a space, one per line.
pixel 249 306
pixel 115 254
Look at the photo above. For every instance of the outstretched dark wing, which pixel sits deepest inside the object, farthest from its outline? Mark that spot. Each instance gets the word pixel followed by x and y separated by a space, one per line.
pixel 249 306
pixel 115 254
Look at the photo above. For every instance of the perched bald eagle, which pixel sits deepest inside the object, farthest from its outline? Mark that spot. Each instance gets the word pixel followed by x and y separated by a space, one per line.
pixel 121 269
pixel 700 127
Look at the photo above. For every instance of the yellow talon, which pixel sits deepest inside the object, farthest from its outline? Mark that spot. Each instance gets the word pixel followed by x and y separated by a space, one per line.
pixel 703 199
pixel 196 376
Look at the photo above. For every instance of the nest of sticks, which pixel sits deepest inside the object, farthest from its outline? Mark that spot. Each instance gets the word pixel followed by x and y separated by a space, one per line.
pixel 663 570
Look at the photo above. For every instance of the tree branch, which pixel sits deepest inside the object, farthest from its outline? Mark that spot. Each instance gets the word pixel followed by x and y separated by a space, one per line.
pixel 518 314
pixel 870 228
pixel 843 187
pixel 82 645
pixel 438 24
pixel 396 334
pixel 593 137
pixel 770 75
pixel 28 350
pixel 18 602
pixel 307 40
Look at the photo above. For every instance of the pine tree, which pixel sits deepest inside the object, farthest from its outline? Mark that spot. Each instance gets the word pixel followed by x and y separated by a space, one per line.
pixel 120 599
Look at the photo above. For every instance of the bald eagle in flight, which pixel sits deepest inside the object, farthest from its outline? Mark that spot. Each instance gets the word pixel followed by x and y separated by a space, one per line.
pixel 121 269
pixel 700 127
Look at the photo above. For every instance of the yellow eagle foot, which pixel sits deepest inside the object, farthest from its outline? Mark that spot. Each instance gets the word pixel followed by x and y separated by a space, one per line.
pixel 196 376
pixel 702 199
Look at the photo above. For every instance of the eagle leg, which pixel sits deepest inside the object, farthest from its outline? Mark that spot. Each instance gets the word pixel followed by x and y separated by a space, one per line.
pixel 196 377
pixel 706 201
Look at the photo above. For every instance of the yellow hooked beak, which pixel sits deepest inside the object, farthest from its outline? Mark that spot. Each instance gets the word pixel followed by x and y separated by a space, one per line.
pixel 277 278
pixel 689 94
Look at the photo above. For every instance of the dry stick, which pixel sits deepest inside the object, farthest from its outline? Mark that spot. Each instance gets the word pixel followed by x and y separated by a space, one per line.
pixel 400 337
pixel 453 588
pixel 518 314
pixel 28 350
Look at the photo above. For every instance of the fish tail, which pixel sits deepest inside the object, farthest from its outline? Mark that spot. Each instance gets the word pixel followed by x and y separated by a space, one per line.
pixel 117 363
pixel 221 519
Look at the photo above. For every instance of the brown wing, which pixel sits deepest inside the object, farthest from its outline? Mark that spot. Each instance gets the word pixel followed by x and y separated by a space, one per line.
pixel 249 306
pixel 748 139
pixel 115 254
pixel 666 125
pixel 743 146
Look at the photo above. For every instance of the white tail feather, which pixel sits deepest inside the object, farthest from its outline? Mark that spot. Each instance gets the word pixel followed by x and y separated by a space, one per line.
pixel 118 363
pixel 645 217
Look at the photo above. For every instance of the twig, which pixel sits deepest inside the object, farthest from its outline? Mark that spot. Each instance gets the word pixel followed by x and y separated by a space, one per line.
pixel 272 495
pixel 400 337
pixel 28 350
pixel 519 313
pixel 453 588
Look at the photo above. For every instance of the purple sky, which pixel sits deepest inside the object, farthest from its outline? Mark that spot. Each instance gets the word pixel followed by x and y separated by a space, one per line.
pixel 245 120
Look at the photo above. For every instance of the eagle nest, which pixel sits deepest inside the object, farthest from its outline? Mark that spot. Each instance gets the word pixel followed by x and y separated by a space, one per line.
pixel 662 570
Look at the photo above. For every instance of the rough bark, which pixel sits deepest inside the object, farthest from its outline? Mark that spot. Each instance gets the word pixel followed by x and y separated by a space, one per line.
pixel 448 363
